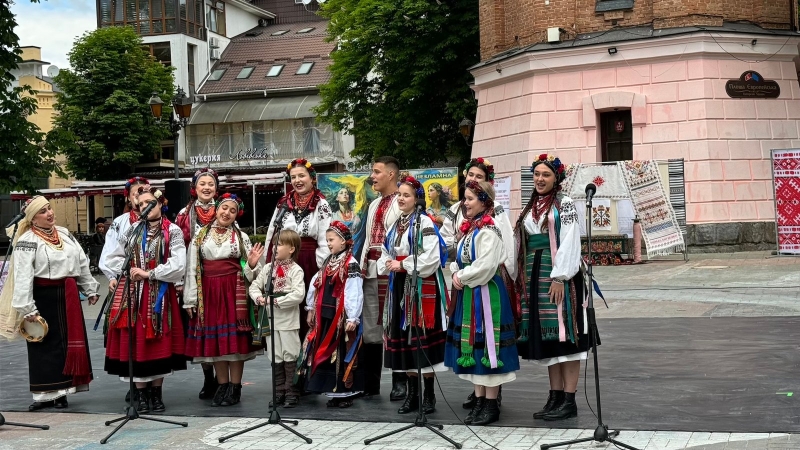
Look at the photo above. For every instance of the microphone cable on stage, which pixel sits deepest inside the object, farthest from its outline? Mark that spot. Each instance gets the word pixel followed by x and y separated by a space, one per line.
pixel 441 391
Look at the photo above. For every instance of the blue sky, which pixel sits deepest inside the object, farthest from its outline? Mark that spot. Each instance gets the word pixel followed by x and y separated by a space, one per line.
pixel 53 25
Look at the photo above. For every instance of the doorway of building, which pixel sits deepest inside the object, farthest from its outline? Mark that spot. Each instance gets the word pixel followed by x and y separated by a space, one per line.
pixel 616 136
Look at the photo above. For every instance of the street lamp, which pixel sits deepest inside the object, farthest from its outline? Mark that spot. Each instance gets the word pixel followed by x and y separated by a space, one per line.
pixel 182 109
pixel 465 128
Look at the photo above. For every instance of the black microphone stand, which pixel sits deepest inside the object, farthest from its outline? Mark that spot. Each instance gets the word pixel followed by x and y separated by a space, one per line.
pixel 274 416
pixel 131 412
pixel 421 421
pixel 601 433
pixel 2 269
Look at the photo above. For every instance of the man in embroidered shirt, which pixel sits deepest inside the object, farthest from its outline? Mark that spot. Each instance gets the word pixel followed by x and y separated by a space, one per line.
pixel 383 211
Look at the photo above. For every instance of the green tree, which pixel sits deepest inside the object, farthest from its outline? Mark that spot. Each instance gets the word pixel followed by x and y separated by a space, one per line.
pixel 399 80
pixel 104 125
pixel 23 160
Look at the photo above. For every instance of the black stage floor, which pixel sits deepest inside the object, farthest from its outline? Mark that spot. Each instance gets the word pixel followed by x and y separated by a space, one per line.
pixel 676 374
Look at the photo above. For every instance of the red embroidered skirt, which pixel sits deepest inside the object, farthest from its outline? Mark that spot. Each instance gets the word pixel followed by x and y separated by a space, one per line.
pixel 219 335
pixel 154 355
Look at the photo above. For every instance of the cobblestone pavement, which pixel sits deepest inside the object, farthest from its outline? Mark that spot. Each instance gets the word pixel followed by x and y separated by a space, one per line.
pixel 84 431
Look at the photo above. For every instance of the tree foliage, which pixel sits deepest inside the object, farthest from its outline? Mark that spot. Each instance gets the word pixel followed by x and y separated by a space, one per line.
pixel 23 160
pixel 400 83
pixel 105 125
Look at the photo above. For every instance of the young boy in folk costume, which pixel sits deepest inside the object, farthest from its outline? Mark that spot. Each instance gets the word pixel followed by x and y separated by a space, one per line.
pixel 334 303
pixel 159 261
pixel 289 291
pixel 403 324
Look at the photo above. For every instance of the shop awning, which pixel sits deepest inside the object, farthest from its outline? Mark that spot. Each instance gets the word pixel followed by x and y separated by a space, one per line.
pixel 252 110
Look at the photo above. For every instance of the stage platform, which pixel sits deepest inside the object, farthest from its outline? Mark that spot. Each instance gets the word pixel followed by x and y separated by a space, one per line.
pixel 731 374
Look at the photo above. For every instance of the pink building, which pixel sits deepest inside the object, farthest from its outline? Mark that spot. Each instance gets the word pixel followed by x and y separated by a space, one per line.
pixel 666 90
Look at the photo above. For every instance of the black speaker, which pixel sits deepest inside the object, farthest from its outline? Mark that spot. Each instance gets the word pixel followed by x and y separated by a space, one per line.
pixel 177 192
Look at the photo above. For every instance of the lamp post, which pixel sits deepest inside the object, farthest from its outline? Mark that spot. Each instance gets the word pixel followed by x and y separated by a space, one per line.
pixel 465 128
pixel 181 110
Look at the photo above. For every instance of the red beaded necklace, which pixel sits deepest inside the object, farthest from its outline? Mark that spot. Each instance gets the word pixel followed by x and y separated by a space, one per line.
pixel 301 202
pixel 205 217
pixel 48 236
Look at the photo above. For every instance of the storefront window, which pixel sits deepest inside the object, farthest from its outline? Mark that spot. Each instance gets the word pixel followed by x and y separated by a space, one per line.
pixel 263 143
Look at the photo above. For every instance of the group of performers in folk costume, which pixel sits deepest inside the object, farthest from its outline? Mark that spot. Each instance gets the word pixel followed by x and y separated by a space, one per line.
pixel 194 290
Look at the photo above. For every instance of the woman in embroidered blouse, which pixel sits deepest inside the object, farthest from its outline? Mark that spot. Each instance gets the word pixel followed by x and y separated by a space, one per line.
pixel 401 318
pixel 120 225
pixel 159 262
pixel 48 267
pixel 221 263
pixel 553 330
pixel 480 334
pixel 310 216
pixel 440 202
pixel 334 303
pixel 200 211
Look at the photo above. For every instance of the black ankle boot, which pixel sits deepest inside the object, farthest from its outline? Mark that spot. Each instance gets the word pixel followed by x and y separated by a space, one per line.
pixel 554 400
pixel 210 384
pixel 489 414
pixel 61 403
pixel 470 403
pixel 399 386
pixel 566 410
pixel 220 394
pixel 155 399
pixel 477 407
pixel 411 402
pixel 234 395
pixel 429 396
pixel 144 400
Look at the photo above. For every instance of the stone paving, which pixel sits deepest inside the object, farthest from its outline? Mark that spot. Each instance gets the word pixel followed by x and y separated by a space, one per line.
pixel 84 431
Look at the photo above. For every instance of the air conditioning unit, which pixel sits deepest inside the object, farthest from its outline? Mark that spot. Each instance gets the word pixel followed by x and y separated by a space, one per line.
pixel 215 55
pixel 554 34
pixel 213 42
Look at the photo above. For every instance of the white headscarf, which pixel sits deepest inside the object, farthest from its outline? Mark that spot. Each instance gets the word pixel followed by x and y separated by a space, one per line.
pixel 9 319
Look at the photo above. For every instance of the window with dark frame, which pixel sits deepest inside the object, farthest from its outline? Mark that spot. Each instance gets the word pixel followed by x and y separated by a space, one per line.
pixel 161 52
pixel 190 51
pixel 616 136
pixel 216 75
pixel 216 18
pixel 304 68
pixel 275 70
pixel 245 73
pixel 154 17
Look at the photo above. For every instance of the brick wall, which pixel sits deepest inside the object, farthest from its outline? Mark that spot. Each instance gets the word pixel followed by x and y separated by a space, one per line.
pixel 506 24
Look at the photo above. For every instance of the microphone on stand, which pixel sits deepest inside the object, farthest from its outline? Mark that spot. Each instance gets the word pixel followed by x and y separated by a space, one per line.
pixel 420 205
pixel 591 189
pixel 16 219
pixel 281 212
pixel 370 181
pixel 150 205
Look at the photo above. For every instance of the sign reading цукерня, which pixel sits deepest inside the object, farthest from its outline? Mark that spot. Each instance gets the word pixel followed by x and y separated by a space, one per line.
pixel 752 85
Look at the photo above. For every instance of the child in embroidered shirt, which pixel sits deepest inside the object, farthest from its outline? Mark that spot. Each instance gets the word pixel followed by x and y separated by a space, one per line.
pixel 289 291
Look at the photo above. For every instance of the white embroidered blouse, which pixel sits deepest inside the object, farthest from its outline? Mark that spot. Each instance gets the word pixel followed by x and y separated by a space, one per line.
pixel 287 312
pixel 353 291
pixel 489 255
pixel 313 225
pixel 429 258
pixel 568 258
pixel 116 233
pixel 34 258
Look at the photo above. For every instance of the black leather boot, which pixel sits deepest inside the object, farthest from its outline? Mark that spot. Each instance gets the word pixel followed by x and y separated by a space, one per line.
pixel 489 414
pixel 411 402
pixel 399 386
pixel 566 410
pixel 554 400
pixel 234 395
pixel 36 406
pixel 280 383
pixel 210 384
pixel 429 396
pixel 292 393
pixel 220 394
pixel 155 399
pixel 477 407
pixel 500 396
pixel 144 400
pixel 470 403
pixel 61 403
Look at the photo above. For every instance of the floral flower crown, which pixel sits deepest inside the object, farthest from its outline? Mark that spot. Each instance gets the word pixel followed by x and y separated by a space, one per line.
pixel 553 163
pixel 483 164
pixel 206 171
pixel 132 181
pixel 304 163
pixel 414 183
pixel 159 196
pixel 483 196
pixel 342 231
pixel 228 197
